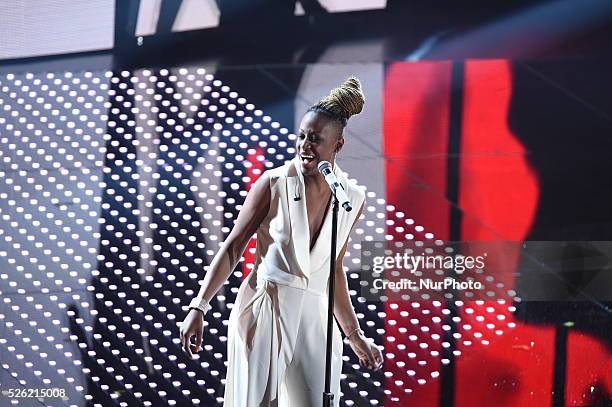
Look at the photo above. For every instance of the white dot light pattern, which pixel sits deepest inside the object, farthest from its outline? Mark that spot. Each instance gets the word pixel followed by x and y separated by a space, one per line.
pixel 116 189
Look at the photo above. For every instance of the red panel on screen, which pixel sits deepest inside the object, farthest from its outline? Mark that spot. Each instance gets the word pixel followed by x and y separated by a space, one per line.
pixel 503 361
pixel 514 370
pixel 498 195
pixel 415 114
pixel 415 120
pixel 498 191
pixel 589 370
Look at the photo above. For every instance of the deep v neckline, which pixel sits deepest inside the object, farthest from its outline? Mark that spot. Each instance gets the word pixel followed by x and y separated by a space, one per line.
pixel 312 245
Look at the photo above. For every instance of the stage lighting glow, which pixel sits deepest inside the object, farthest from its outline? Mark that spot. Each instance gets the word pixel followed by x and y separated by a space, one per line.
pixel 99 168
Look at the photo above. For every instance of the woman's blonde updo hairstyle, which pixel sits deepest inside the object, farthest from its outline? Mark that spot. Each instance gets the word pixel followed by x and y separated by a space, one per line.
pixel 342 102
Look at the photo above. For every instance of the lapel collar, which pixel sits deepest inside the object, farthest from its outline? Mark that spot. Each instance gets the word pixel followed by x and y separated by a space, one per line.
pixel 325 234
pixel 300 232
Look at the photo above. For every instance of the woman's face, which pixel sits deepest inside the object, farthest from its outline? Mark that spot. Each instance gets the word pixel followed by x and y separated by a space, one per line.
pixel 318 138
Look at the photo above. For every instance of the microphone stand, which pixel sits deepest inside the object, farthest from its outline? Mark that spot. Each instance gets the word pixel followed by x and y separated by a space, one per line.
pixel 328 396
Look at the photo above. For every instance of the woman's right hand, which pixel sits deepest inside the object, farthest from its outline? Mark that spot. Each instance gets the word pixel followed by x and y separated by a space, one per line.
pixel 193 324
pixel 368 353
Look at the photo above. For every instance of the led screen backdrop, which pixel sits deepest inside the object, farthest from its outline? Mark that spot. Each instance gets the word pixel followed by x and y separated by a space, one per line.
pixel 117 188
pixel 52 27
pixel 147 171
pixel 188 15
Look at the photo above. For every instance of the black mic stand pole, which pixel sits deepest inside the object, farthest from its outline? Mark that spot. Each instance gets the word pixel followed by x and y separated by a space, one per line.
pixel 328 396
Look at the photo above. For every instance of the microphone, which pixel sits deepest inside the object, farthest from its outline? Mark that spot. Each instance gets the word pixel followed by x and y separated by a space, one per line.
pixel 325 169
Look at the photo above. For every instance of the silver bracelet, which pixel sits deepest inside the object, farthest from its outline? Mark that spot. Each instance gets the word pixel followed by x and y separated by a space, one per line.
pixel 200 305
pixel 353 331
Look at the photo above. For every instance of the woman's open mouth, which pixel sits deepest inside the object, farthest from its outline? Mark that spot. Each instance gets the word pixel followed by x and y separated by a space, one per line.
pixel 307 158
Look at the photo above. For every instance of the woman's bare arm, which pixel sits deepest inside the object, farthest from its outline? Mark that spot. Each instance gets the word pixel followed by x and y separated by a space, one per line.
pixel 253 212
pixel 368 353
pixel 343 308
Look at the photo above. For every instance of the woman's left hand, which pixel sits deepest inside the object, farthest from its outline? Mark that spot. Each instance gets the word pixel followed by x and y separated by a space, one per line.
pixel 366 350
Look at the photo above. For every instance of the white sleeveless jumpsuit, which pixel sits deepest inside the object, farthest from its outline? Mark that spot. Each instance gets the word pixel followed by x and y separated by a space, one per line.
pixel 277 326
